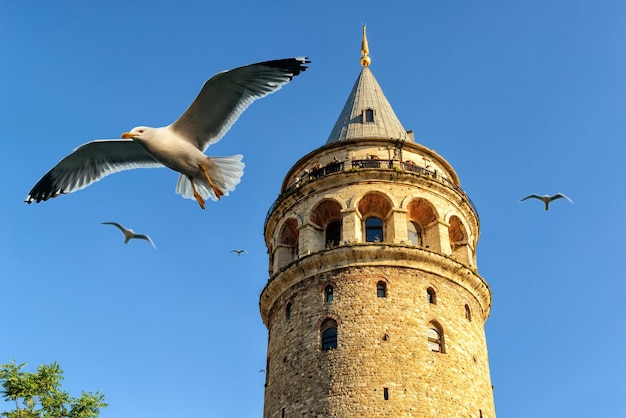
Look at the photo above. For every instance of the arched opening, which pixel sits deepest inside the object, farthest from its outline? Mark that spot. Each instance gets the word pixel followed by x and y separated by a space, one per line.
pixel 329 293
pixel 328 334
pixel 326 217
pixel 288 311
pixel 422 224
pixel 435 338
pixel 381 290
pixel 458 240
pixel 374 209
pixel 468 312
pixel 431 295
pixel 287 248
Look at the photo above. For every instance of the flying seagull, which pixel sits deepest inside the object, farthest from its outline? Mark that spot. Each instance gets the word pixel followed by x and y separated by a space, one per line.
pixel 130 234
pixel 238 252
pixel 181 145
pixel 547 199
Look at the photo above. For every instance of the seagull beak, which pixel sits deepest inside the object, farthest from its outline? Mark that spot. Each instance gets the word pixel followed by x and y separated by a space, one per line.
pixel 127 135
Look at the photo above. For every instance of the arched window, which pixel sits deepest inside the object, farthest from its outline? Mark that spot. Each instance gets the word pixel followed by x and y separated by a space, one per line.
pixel 328 293
pixel 414 231
pixel 333 234
pixel 381 290
pixel 288 311
pixel 431 295
pixel 435 339
pixel 468 312
pixel 328 331
pixel 373 229
pixel 369 115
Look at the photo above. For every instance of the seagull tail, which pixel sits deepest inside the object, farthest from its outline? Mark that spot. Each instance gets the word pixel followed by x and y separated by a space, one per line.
pixel 225 172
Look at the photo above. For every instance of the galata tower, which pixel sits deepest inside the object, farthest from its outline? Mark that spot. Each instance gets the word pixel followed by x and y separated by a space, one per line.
pixel 374 305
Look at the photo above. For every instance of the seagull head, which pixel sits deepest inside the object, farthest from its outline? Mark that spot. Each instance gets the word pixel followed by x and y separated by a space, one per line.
pixel 140 132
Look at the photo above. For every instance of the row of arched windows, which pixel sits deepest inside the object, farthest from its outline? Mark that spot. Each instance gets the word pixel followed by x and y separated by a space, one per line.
pixel 374 212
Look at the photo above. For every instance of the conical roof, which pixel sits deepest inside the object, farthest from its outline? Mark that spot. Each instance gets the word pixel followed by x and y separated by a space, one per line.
pixel 367 113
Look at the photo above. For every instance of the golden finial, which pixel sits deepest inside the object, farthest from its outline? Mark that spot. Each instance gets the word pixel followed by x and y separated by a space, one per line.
pixel 365 50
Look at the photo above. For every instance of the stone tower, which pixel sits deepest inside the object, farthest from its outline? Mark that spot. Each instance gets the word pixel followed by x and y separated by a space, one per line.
pixel 374 305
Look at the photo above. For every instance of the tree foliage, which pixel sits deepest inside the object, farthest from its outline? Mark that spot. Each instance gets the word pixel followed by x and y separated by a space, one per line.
pixel 39 394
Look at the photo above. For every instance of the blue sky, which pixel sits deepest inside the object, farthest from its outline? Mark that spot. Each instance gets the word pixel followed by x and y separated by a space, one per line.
pixel 520 97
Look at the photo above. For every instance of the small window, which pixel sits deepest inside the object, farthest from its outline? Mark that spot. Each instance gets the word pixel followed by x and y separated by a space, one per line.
pixel 369 115
pixel 435 340
pixel 414 232
pixel 328 293
pixel 386 337
pixel 431 295
pixel 288 311
pixel 333 234
pixel 386 393
pixel 381 290
pixel 468 312
pixel 373 229
pixel 329 334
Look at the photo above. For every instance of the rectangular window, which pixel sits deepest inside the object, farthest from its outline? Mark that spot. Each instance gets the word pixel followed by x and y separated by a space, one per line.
pixel 386 393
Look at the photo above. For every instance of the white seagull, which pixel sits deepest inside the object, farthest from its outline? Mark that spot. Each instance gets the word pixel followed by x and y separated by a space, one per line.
pixel 547 199
pixel 181 145
pixel 130 234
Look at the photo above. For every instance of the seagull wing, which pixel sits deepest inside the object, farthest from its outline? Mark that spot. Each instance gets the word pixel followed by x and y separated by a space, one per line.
pixel 536 196
pixel 226 95
pixel 562 196
pixel 120 227
pixel 89 163
pixel 147 238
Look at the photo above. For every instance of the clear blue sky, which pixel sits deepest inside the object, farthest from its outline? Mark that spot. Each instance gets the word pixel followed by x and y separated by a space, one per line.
pixel 520 97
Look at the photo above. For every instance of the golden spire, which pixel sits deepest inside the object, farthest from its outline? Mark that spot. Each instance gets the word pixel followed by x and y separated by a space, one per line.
pixel 365 59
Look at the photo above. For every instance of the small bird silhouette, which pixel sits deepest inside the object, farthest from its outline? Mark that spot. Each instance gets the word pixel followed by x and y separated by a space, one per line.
pixel 130 234
pixel 238 252
pixel 547 199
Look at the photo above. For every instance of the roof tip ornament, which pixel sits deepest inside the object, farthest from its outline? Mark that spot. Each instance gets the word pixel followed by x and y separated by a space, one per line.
pixel 365 59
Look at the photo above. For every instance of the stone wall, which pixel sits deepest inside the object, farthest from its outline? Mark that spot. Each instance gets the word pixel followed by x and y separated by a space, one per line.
pixel 382 343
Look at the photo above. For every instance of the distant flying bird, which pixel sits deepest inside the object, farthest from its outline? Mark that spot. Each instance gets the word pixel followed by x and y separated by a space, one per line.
pixel 547 199
pixel 130 234
pixel 181 145
pixel 238 252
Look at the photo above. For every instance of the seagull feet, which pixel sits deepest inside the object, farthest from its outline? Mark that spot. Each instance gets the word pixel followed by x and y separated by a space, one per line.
pixel 218 193
pixel 196 194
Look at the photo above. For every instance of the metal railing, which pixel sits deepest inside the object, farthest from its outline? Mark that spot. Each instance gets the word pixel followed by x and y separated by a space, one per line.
pixel 365 164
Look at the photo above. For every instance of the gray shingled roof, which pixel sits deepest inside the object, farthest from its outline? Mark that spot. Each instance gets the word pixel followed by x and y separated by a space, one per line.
pixel 353 124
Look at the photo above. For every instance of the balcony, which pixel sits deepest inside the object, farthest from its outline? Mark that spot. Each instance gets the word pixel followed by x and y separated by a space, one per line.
pixel 368 164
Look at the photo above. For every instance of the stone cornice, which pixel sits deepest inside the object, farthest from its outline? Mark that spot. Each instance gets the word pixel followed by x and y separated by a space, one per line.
pixel 376 255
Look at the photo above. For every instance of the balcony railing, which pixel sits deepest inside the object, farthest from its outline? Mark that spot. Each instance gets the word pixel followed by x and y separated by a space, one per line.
pixel 335 167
